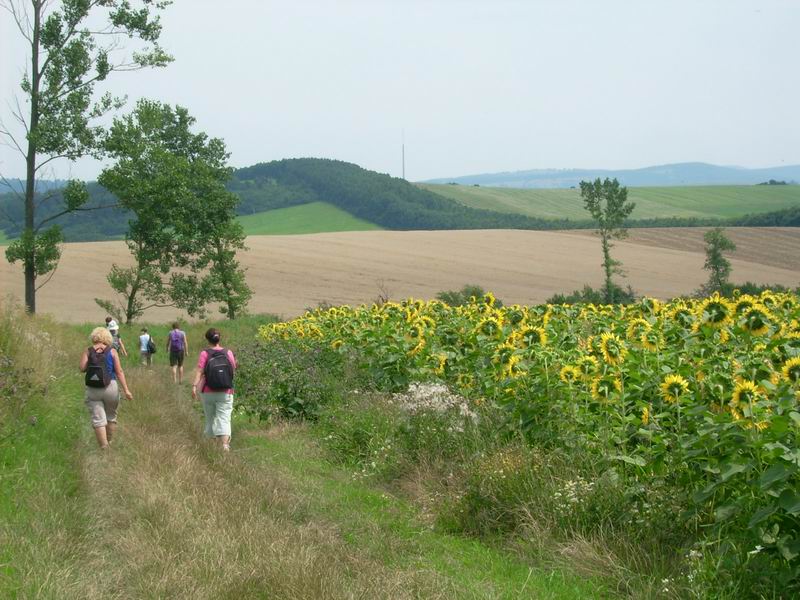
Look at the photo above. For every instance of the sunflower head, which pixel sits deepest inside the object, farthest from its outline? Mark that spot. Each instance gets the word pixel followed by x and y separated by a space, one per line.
pixel 605 386
pixel 715 312
pixel 645 415
pixel 743 303
pixel 440 362
pixel 682 315
pixel 588 365
pixel 791 370
pixel 569 374
pixel 745 393
pixel 490 327
pixel 515 315
pixel 613 348
pixel 651 341
pixel 649 306
pixel 532 336
pixel 756 320
pixel 673 388
pixel 504 354
pixel 636 328
pixel 336 344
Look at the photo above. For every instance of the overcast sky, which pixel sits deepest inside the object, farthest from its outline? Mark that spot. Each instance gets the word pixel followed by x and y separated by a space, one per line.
pixel 477 86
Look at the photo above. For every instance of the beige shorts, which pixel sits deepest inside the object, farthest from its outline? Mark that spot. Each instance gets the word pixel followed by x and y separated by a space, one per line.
pixel 102 404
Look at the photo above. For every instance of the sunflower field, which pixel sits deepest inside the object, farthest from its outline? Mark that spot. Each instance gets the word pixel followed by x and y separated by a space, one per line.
pixel 700 395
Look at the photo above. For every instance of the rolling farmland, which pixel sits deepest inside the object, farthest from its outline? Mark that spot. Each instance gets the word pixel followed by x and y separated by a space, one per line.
pixel 314 217
pixel 290 273
pixel 651 202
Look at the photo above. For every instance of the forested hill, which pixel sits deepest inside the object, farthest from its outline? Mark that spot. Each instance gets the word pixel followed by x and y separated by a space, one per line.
pixel 388 202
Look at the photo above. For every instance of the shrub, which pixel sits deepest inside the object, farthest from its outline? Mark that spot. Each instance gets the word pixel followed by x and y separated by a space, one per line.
pixel 281 377
pixel 589 295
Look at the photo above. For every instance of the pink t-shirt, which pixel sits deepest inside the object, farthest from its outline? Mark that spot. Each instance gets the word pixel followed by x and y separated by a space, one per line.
pixel 201 364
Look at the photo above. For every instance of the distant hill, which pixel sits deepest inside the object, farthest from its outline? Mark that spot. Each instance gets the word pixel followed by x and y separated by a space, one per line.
pixel 309 194
pixel 700 202
pixel 678 174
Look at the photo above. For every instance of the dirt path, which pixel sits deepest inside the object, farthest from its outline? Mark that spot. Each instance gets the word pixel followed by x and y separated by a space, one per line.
pixel 166 515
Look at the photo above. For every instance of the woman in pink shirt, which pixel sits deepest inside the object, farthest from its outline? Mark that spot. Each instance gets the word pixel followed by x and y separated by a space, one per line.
pixel 214 379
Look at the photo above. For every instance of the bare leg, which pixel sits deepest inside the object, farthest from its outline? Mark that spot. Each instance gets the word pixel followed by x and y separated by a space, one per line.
pixel 111 429
pixel 224 442
pixel 175 374
pixel 180 374
pixel 102 440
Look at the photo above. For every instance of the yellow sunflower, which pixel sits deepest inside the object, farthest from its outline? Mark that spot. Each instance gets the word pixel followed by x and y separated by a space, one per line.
pixel 756 320
pixel 682 315
pixel 569 374
pixel 651 341
pixel 745 392
pixel 645 415
pixel 490 326
pixel 636 328
pixel 743 303
pixel 613 348
pixel 791 370
pixel 336 344
pixel 604 386
pixel 588 365
pixel 715 312
pixel 531 336
pixel 673 388
pixel 441 363
pixel 649 306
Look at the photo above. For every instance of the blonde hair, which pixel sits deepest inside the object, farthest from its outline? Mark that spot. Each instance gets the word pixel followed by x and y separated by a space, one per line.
pixel 101 335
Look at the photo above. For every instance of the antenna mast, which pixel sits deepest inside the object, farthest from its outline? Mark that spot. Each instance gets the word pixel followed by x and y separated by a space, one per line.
pixel 403 148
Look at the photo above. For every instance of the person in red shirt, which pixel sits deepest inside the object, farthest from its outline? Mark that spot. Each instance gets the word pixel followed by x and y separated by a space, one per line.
pixel 214 379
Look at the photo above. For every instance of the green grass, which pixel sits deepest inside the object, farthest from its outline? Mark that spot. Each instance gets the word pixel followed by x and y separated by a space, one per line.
pixel 651 202
pixel 315 217
pixel 390 530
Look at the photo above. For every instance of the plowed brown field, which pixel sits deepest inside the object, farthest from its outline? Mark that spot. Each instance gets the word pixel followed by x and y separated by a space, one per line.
pixel 290 273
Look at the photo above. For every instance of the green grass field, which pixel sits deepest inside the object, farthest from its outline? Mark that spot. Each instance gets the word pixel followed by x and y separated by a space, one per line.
pixel 316 217
pixel 651 202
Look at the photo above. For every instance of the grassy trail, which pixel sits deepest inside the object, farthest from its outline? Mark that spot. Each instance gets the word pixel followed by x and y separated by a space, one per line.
pixel 163 514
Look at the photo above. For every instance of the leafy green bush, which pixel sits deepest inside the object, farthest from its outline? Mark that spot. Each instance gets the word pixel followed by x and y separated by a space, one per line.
pixel 281 378
pixel 589 295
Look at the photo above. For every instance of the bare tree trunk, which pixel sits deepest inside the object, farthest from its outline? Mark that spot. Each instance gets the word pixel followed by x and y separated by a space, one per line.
pixel 30 159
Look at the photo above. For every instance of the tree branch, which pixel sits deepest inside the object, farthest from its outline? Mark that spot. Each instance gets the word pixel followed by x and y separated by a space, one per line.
pixel 10 7
pixel 49 277
pixel 66 212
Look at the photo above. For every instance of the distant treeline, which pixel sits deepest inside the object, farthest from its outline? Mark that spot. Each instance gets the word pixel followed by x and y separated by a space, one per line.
pixel 390 202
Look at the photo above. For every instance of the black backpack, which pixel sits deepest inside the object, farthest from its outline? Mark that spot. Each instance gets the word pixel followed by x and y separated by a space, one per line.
pixel 218 370
pixel 97 375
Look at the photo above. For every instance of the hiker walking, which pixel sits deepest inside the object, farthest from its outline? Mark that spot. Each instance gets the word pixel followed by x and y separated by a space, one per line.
pixel 116 339
pixel 100 362
pixel 147 347
pixel 214 379
pixel 177 346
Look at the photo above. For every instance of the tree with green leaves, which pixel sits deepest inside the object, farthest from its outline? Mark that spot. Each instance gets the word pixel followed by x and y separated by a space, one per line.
pixel 184 236
pixel 74 44
pixel 719 267
pixel 607 202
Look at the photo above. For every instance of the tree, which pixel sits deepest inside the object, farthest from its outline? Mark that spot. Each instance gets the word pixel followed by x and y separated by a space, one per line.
pixel 608 204
pixel 184 236
pixel 719 267
pixel 73 45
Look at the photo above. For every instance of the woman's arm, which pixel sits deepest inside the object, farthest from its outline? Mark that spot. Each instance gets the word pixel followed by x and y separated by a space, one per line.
pixel 84 361
pixel 198 375
pixel 121 375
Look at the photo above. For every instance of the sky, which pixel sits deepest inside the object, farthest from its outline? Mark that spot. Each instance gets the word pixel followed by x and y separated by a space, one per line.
pixel 472 86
